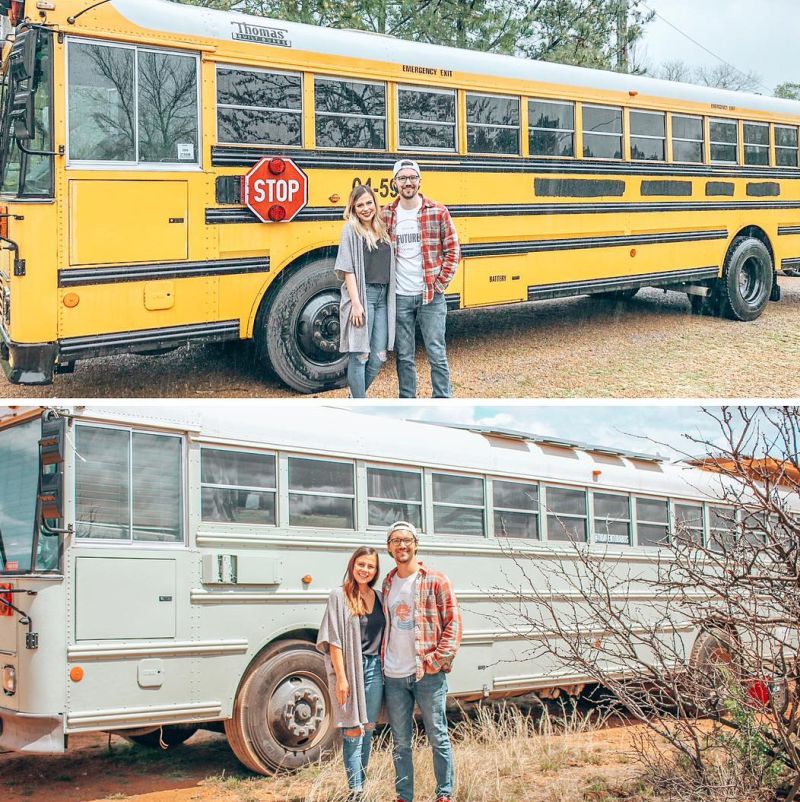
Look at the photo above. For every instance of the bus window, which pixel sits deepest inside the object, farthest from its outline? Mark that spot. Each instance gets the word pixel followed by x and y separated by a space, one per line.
pixel 130 105
pixel 756 144
pixel 786 142
pixel 552 128
pixel 612 518
pixel 689 522
pixel 19 474
pixel 256 107
pixel 321 493
pixel 492 124
pixel 350 114
pixel 458 505
pixel 602 132
pixel 128 485
pixel 724 138
pixel 237 486
pixel 566 514
pixel 393 495
pixel 687 139
pixel 652 521
pixel 516 509
pixel 721 528
pixel 648 136
pixel 427 118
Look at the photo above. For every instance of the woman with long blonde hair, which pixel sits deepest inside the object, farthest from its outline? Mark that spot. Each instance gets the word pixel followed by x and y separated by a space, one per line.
pixel 366 265
pixel 350 638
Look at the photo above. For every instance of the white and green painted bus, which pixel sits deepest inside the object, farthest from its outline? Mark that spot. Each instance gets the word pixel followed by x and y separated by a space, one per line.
pixel 166 569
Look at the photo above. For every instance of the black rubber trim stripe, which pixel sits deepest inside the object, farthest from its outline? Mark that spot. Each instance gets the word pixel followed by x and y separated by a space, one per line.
pixel 793 262
pixel 238 156
pixel 581 243
pixel 543 291
pixel 76 277
pixel 453 300
pixel 786 230
pixel 322 214
pixel 124 341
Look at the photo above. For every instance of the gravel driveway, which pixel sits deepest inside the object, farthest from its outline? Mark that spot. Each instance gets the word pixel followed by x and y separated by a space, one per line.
pixel 650 347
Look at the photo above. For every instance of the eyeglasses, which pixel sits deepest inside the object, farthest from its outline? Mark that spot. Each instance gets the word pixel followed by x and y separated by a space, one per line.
pixel 407 179
pixel 401 541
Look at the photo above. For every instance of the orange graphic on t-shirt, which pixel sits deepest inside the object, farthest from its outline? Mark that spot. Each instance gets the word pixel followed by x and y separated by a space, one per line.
pixel 402 611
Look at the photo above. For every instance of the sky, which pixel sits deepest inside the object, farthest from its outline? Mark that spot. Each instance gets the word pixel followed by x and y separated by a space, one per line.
pixel 757 35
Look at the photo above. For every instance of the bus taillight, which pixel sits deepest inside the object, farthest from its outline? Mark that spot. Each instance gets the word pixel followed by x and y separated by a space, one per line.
pixel 5 600
pixel 16 12
pixel 3 222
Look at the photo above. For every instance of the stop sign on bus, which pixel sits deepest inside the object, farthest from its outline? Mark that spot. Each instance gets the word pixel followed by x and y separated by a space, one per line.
pixel 275 190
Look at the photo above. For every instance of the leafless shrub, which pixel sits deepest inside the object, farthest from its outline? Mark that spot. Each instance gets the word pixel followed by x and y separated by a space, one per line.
pixel 699 645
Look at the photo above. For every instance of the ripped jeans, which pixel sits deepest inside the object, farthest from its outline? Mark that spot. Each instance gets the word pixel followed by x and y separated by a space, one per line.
pixel 363 368
pixel 356 748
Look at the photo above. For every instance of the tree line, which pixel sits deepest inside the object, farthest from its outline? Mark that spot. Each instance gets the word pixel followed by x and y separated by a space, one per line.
pixel 601 34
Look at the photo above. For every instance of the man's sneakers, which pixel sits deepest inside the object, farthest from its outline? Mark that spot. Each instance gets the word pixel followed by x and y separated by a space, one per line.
pixel 443 799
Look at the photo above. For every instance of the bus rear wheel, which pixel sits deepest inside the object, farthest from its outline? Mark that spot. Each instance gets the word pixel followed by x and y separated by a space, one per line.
pixel 746 282
pixel 298 330
pixel 282 713
pixel 715 669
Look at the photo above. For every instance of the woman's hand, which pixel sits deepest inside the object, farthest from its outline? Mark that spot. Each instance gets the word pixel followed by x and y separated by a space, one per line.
pixel 356 313
pixel 342 691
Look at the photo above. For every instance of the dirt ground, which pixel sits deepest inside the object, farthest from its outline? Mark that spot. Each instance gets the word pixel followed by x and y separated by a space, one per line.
pixel 596 767
pixel 649 347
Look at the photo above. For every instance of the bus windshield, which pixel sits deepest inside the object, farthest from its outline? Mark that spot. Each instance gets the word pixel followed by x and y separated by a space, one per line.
pixel 19 466
pixel 22 174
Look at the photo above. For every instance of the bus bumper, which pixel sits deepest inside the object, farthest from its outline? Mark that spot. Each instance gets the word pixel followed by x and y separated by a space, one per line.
pixel 27 363
pixel 24 732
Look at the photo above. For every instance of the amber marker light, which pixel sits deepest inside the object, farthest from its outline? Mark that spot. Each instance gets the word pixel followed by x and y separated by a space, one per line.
pixel 334 199
pixel 76 673
pixel 596 475
pixel 71 300
pixel 633 93
pixel 633 252
pixel 307 579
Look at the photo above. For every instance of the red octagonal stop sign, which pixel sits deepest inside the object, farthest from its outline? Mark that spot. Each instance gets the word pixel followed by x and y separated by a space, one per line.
pixel 275 190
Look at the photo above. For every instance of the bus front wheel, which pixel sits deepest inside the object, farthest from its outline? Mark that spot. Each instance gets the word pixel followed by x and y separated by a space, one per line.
pixel 298 331
pixel 282 713
pixel 746 282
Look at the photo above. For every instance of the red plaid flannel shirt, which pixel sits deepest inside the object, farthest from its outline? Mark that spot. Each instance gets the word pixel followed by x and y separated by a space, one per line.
pixel 437 621
pixel 440 250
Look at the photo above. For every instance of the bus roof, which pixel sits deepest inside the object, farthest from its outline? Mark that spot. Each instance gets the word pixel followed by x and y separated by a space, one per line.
pixel 337 432
pixel 178 18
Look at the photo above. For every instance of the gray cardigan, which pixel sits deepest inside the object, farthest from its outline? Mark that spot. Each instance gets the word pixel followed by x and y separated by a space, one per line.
pixel 341 628
pixel 350 259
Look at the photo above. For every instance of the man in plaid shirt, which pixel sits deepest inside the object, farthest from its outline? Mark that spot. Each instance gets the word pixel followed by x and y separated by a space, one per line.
pixel 427 254
pixel 422 636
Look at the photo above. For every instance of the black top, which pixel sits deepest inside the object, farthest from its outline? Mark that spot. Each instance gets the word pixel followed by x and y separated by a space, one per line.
pixel 377 263
pixel 372 625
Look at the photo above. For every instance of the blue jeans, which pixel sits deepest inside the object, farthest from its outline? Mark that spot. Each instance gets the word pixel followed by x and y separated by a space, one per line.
pixel 432 319
pixel 430 693
pixel 356 748
pixel 363 368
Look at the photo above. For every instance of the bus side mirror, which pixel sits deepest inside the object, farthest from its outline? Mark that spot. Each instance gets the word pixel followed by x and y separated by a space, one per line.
pixel 22 58
pixel 51 467
pixel 22 115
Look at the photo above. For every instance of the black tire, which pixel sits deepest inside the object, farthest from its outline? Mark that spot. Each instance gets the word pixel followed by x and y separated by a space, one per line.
pixel 746 282
pixel 282 712
pixel 297 331
pixel 715 664
pixel 618 295
pixel 166 737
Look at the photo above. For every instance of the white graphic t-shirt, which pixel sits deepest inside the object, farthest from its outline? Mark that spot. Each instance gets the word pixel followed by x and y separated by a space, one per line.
pixel 399 659
pixel 408 243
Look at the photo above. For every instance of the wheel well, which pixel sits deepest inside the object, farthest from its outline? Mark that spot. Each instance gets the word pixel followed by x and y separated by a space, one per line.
pixel 711 627
pixel 758 233
pixel 262 304
pixel 309 635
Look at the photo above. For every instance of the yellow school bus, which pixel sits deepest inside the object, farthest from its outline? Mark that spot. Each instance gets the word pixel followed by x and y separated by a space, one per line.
pixel 129 128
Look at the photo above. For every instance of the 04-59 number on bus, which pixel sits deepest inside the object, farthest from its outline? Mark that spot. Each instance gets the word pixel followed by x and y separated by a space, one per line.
pixel 384 189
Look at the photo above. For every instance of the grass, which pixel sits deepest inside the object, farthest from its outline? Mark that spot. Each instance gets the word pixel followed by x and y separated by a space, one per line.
pixel 501 754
